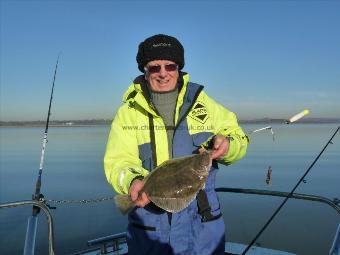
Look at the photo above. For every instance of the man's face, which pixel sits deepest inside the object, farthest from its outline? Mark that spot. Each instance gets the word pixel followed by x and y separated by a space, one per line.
pixel 162 78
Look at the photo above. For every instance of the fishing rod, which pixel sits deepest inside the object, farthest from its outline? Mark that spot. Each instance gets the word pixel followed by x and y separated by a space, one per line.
pixel 33 220
pixel 290 194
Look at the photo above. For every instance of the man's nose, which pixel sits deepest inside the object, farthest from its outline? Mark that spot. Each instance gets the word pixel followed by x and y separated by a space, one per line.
pixel 163 72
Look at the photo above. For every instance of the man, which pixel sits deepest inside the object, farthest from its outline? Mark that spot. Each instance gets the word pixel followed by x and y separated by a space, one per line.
pixel 165 116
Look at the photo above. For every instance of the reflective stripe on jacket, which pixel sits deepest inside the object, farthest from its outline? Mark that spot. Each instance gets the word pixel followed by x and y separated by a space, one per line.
pixel 138 142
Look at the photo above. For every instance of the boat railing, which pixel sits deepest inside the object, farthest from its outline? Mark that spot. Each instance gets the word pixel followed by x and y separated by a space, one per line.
pixel 104 242
pixel 114 241
pixel 333 203
pixel 46 210
pixel 335 249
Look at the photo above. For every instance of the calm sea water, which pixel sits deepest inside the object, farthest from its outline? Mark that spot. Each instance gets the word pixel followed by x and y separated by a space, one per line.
pixel 74 170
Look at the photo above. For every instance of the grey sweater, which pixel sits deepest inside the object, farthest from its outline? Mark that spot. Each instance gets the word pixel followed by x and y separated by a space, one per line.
pixel 165 103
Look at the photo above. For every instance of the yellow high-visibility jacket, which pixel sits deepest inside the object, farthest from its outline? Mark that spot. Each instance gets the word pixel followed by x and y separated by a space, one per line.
pixel 133 148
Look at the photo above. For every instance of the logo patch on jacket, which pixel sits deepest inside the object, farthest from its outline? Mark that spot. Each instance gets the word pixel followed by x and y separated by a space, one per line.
pixel 199 112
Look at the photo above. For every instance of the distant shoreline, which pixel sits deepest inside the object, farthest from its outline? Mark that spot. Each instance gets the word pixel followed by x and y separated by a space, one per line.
pixel 103 122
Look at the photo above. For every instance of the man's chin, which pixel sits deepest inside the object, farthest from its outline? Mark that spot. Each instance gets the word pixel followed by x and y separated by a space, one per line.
pixel 163 87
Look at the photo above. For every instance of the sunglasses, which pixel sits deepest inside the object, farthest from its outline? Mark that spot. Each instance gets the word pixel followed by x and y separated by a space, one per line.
pixel 157 69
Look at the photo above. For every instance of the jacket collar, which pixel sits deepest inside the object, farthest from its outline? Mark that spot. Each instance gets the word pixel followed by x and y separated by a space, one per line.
pixel 138 93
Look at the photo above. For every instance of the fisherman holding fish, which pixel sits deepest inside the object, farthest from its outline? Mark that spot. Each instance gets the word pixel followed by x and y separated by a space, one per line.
pixel 163 120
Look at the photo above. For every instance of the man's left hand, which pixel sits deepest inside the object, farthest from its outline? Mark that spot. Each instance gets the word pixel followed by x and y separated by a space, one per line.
pixel 219 148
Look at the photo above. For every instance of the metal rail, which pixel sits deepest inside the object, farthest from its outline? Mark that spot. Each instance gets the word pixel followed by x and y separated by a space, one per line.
pixel 42 206
pixel 117 238
pixel 325 200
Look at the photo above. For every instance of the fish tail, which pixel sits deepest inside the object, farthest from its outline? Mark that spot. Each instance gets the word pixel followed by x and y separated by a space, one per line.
pixel 124 203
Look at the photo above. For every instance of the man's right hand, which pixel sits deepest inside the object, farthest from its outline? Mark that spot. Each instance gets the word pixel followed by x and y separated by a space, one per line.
pixel 140 200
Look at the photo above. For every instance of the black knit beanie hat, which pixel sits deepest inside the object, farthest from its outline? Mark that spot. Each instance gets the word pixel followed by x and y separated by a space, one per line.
pixel 160 47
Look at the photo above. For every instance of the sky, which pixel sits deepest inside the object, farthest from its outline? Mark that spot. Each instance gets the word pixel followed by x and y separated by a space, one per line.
pixel 257 58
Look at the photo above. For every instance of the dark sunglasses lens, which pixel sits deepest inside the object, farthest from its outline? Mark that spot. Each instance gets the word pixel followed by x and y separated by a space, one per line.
pixel 157 69
pixel 154 69
pixel 171 67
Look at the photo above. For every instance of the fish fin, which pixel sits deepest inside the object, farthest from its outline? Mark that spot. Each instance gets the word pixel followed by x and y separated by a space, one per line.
pixel 124 203
pixel 172 204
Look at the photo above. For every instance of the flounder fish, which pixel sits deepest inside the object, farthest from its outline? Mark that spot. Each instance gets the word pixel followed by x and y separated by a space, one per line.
pixel 174 184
